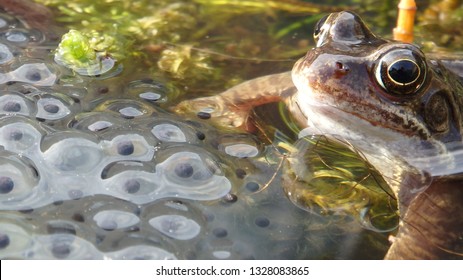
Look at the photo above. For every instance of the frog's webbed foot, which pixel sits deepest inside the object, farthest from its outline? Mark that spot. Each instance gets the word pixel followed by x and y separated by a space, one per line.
pixel 221 111
pixel 232 108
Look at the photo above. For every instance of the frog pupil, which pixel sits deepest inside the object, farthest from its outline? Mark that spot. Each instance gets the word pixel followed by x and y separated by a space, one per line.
pixel 403 71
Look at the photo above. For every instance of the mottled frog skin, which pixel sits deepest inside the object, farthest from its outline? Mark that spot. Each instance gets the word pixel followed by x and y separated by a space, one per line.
pixel 401 109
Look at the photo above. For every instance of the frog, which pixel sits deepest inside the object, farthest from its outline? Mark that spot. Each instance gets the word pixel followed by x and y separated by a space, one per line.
pixel 400 108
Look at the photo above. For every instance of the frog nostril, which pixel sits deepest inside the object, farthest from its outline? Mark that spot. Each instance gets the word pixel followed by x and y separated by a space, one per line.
pixel 340 69
pixel 340 66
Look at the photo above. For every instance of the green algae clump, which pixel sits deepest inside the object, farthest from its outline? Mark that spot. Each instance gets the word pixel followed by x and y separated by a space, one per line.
pixel 85 54
pixel 75 49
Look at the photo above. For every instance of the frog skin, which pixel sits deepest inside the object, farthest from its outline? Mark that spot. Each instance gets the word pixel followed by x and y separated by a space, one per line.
pixel 401 109
pixel 33 14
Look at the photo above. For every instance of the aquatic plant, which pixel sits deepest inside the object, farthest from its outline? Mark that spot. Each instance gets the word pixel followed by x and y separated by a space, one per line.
pixel 86 54
pixel 327 177
pixel 189 40
pixel 440 25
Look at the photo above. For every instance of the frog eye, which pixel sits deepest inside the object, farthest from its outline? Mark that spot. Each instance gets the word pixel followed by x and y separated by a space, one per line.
pixel 401 72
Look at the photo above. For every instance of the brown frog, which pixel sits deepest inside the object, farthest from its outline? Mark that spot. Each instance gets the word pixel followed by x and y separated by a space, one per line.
pixel 401 109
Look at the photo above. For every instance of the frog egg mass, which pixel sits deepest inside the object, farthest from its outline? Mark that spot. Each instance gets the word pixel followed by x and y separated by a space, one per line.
pixel 91 170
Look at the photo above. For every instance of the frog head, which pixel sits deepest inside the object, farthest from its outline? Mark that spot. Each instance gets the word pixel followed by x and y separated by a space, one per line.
pixel 385 96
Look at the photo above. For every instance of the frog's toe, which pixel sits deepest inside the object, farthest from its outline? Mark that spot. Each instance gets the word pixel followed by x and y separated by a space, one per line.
pixel 221 113
pixel 205 104
pixel 235 119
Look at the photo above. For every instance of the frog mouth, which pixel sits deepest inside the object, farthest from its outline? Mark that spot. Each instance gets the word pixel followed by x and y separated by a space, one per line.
pixel 430 155
pixel 330 119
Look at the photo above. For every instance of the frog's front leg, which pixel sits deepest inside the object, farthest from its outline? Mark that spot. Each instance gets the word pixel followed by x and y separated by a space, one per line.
pixel 232 108
pixel 432 225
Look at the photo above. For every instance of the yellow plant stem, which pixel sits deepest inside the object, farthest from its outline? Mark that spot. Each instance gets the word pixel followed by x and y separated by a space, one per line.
pixel 405 21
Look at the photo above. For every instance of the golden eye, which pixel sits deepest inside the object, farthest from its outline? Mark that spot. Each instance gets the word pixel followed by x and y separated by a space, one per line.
pixel 401 72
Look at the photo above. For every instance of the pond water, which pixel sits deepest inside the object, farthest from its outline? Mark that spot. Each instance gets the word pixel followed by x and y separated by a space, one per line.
pixel 96 166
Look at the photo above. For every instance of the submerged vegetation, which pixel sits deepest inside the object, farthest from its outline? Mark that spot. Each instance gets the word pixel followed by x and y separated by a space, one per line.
pixel 440 25
pixel 328 177
pixel 189 40
pixel 204 47
pixel 88 54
